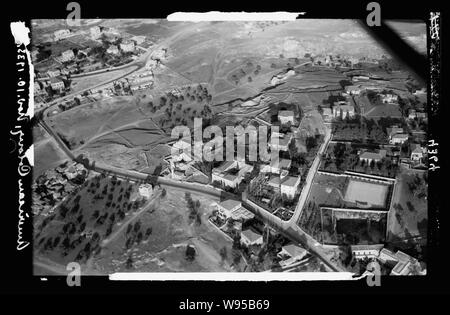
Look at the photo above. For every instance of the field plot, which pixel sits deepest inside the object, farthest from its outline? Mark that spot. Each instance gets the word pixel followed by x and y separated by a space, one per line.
pixel 165 250
pixel 409 211
pixel 81 123
pixel 365 192
pixel 47 155
pixel 328 190
pixel 75 231
pixel 114 132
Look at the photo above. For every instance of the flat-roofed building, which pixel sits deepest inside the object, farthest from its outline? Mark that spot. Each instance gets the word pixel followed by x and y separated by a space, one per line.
pixel 368 156
pixel 249 237
pixel 399 138
pixel 289 186
pixel 291 253
pixel 227 207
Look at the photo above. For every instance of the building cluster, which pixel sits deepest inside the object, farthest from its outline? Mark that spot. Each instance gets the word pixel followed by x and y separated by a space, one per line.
pixel 249 237
pixel 54 74
pixel 52 186
pixel 340 109
pixel 231 173
pixel 141 80
pixel 400 263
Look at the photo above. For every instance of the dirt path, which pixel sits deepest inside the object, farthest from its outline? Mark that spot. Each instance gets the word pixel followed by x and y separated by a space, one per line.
pixel 112 237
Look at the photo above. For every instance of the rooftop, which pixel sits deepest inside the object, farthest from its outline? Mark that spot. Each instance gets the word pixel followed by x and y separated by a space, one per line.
pixel 242 213
pixel 294 250
pixel 224 166
pixel 290 181
pixel 55 80
pixel 251 235
pixel 230 204
pixel 281 163
pixel 286 113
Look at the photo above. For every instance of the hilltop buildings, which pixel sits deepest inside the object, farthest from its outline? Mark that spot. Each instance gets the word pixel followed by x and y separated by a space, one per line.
pixel 231 173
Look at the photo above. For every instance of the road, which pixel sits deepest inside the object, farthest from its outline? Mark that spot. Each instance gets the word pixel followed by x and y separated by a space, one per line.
pixel 293 232
pixel 309 178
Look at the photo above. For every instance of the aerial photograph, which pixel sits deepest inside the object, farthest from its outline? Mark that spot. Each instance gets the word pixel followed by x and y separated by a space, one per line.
pixel 318 136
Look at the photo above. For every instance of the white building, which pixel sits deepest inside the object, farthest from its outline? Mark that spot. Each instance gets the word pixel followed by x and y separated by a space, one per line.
pixel 231 173
pixel 289 186
pixel 182 150
pixel 399 138
pixel 248 238
pixel 96 32
pixel 404 265
pixel 393 131
pixel 387 257
pixel 61 34
pixel 389 98
pixel 290 254
pixel 277 165
pixel 67 55
pixel 57 84
pixel 145 190
pixel 227 207
pixel 368 157
pixel 412 114
pixel 344 109
pixel 417 153
pixel 352 90
pixel 327 114
pixel 283 141
pixel 37 88
pixel 286 116
pixel 53 73
pixel 127 46
pixel 113 50
pixel 138 39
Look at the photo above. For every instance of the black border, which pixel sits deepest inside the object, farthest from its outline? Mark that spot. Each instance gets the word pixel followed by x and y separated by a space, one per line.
pixel 16 267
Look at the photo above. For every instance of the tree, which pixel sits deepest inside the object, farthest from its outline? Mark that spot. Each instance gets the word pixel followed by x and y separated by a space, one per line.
pixel 148 232
pixel 311 142
pixel 250 79
pixel 223 253
pixel 190 253
pixel 129 263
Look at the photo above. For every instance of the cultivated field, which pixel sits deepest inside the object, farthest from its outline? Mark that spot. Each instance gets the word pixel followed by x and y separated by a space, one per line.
pixel 409 211
pixel 172 231
pixel 370 193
